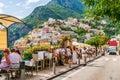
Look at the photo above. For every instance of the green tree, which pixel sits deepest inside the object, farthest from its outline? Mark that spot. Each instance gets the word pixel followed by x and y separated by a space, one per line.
pixel 97 41
pixel 102 8
pixel 66 29
pixel 81 31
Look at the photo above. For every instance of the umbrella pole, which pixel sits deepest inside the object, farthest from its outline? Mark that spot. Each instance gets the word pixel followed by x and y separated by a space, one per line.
pixel 7 36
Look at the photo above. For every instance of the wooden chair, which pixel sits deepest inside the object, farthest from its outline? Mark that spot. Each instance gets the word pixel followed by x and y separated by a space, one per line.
pixel 49 57
pixel 41 57
pixel 6 73
pixel 29 67
pixel 15 67
pixel 38 62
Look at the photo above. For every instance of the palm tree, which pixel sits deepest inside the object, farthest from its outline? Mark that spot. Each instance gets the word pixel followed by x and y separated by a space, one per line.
pixel 66 41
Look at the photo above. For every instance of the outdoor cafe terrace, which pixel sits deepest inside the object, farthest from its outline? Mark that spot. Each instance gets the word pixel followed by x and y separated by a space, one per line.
pixel 41 63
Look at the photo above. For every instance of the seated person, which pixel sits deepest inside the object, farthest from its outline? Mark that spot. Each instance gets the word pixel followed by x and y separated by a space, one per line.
pixel 5 62
pixel 15 59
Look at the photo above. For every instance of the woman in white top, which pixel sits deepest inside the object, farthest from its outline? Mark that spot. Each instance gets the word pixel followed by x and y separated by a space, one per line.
pixel 68 55
pixel 74 56
pixel 84 55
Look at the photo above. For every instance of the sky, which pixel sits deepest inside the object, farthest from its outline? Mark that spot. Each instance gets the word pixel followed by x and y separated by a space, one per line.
pixel 20 8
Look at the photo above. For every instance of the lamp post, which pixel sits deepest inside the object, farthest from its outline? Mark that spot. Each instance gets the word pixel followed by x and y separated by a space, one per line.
pixel 54 66
pixel 69 62
pixel 79 59
pixel 54 69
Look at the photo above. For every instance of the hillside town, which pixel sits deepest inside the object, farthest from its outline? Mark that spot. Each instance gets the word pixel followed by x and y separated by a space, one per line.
pixel 59 40
pixel 51 32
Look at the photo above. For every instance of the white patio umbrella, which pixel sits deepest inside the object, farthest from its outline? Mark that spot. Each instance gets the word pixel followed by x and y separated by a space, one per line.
pixel 6 21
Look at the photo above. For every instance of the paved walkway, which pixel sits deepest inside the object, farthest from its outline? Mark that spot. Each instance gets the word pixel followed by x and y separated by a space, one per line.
pixel 47 73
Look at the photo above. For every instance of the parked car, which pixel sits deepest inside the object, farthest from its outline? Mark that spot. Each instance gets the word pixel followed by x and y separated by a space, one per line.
pixel 112 50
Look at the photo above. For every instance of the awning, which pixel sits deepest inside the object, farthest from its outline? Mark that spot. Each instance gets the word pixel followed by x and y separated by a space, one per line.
pixel 80 44
pixel 75 43
pixel 7 20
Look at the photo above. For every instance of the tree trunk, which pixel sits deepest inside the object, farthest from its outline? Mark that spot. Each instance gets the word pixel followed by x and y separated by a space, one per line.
pixel 96 51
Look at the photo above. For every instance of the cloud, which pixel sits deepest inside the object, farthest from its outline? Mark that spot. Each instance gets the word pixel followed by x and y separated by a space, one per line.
pixel 20 16
pixel 21 11
pixel 1 7
pixel 10 2
pixel 27 7
pixel 31 1
pixel 18 4
pixel 1 10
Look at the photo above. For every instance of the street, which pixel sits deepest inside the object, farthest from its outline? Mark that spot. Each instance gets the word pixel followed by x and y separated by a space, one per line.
pixel 104 68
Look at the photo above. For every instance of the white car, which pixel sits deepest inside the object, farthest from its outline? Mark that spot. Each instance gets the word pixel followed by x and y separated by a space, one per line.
pixel 112 50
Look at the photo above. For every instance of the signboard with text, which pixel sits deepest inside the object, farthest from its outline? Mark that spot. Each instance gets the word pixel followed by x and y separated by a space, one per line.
pixel 3 39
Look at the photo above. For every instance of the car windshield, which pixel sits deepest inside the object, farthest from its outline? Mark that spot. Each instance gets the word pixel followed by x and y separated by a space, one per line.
pixel 112 49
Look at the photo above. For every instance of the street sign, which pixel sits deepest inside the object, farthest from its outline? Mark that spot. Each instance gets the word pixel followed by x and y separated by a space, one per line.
pixel 3 39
